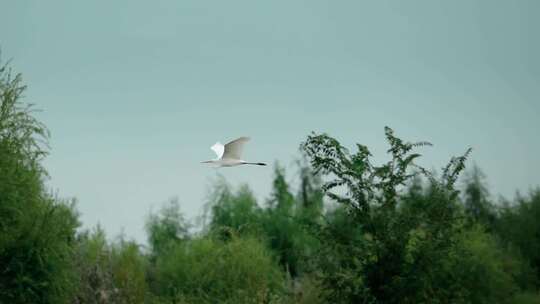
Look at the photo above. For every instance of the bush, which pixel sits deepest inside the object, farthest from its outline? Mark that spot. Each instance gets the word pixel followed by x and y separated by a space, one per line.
pixel 208 270
pixel 167 227
pixel 390 255
pixel 526 298
pixel 519 228
pixel 483 267
pixel 110 273
pixel 237 212
pixel 37 230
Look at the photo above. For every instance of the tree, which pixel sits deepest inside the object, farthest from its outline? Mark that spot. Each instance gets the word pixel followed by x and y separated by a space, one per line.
pixel 476 199
pixel 209 270
pixel 109 272
pixel 310 195
pixel 37 229
pixel 389 256
pixel 519 228
pixel 233 213
pixel 282 230
pixel 167 227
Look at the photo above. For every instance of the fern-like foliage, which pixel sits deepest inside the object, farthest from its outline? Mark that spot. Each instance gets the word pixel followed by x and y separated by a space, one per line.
pixel 365 263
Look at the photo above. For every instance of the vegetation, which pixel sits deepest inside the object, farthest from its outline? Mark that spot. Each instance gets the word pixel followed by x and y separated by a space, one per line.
pixel 37 230
pixel 352 232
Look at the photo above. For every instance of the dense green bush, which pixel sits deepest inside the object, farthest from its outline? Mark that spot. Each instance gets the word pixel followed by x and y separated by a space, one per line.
pixel 526 298
pixel 393 256
pixel 280 224
pixel 236 212
pixel 207 270
pixel 93 260
pixel 484 268
pixel 37 230
pixel 167 227
pixel 518 225
pixel 478 207
pixel 281 228
pixel 129 272
pixel 110 272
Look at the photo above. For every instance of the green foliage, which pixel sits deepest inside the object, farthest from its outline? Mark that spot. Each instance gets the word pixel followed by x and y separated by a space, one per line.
pixel 526 298
pixel 485 269
pixel 22 136
pixel 236 213
pixel 167 227
pixel 390 256
pixel 478 208
pixel 129 272
pixel 391 238
pixel 95 282
pixel 519 228
pixel 279 225
pixel 109 273
pixel 308 212
pixel 281 198
pixel 307 291
pixel 281 229
pixel 204 270
pixel 37 230
pixel 309 200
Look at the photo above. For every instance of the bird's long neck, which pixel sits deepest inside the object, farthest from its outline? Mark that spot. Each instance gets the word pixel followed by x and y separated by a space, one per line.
pixel 256 164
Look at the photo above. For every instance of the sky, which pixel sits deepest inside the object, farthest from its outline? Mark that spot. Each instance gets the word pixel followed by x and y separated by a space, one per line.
pixel 135 92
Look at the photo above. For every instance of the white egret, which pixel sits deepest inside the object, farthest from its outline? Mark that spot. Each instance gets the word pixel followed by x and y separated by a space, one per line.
pixel 230 155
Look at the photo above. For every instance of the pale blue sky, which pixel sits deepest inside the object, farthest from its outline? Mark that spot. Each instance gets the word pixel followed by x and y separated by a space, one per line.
pixel 135 92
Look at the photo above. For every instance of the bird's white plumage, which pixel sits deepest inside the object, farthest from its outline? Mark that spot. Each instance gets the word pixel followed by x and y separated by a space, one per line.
pixel 230 154
pixel 219 149
pixel 233 149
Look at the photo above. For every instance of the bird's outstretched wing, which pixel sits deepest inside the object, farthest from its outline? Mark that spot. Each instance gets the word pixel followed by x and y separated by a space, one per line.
pixel 233 149
pixel 219 149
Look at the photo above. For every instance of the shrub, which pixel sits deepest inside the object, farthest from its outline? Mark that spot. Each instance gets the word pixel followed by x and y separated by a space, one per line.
pixel 209 270
pixel 390 255
pixel 37 230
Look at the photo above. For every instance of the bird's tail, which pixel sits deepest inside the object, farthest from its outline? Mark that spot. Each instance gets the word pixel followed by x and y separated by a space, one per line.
pixel 257 164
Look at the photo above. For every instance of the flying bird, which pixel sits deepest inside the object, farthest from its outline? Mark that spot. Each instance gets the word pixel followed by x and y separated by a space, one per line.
pixel 230 155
